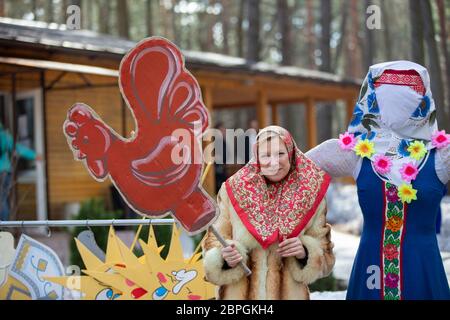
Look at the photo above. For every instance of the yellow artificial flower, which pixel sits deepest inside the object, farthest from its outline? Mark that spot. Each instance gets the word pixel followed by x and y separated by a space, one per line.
pixel 407 193
pixel 364 148
pixel 417 150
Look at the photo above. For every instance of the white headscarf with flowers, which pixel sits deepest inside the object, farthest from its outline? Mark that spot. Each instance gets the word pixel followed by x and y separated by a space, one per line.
pixel 394 122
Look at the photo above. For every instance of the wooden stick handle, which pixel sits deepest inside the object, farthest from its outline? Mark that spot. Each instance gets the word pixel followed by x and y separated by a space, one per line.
pixel 225 244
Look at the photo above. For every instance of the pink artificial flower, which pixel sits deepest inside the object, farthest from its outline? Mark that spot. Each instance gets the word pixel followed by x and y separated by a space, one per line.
pixel 409 171
pixel 382 164
pixel 347 141
pixel 440 139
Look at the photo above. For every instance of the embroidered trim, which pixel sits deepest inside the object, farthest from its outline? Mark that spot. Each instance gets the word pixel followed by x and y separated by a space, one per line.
pixel 394 218
pixel 408 78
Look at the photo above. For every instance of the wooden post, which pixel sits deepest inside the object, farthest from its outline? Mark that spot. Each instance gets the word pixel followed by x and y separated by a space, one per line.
pixel 210 180
pixel 45 155
pixel 13 196
pixel 311 122
pixel 274 108
pixel 261 109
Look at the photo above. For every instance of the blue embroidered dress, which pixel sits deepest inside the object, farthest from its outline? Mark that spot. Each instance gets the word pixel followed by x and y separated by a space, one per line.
pixel 399 241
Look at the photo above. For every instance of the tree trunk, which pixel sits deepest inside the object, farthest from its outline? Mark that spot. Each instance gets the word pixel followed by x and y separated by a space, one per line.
pixel 269 34
pixel 88 15
pixel 253 41
pixel 34 9
pixel 415 18
pixel 225 19
pixel 122 19
pixel 49 16
pixel 354 63
pixel 164 20
pixel 310 38
pixel 149 17
pixel 190 36
pixel 239 30
pixel 201 30
pixel 343 31
pixel 325 22
pixel 434 62
pixel 174 20
pixel 444 48
pixel 209 27
pixel 324 110
pixel 63 12
pixel 369 46
pixel 387 31
pixel 104 13
pixel 285 24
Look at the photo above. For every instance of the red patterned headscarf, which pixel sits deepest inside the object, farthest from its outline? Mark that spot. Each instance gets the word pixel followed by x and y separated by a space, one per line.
pixel 276 211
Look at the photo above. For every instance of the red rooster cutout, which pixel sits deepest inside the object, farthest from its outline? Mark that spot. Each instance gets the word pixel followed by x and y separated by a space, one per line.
pixel 163 97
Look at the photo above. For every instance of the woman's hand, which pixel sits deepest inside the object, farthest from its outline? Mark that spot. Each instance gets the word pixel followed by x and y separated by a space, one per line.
pixel 292 247
pixel 231 255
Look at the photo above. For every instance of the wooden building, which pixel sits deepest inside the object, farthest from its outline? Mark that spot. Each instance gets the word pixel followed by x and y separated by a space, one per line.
pixel 45 69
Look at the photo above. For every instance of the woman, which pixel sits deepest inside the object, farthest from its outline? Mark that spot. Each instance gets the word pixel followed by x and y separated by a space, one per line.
pixel 272 212
pixel 401 163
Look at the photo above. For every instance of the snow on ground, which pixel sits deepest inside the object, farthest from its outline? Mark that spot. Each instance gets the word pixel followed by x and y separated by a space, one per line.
pixel 342 203
pixel 444 237
pixel 343 207
pixel 345 247
pixel 328 295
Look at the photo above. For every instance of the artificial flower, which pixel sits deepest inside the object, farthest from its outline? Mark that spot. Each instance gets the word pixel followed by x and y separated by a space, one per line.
pixel 382 164
pixel 409 171
pixel 347 141
pixel 407 193
pixel 417 150
pixel 440 139
pixel 364 148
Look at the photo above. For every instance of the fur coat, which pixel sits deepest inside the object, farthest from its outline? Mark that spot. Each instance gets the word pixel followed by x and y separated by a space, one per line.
pixel 272 277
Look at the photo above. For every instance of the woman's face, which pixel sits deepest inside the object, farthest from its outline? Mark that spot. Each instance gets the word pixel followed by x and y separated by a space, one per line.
pixel 273 159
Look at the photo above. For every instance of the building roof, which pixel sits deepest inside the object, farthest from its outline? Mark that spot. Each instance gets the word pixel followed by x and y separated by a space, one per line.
pixel 59 66
pixel 58 37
